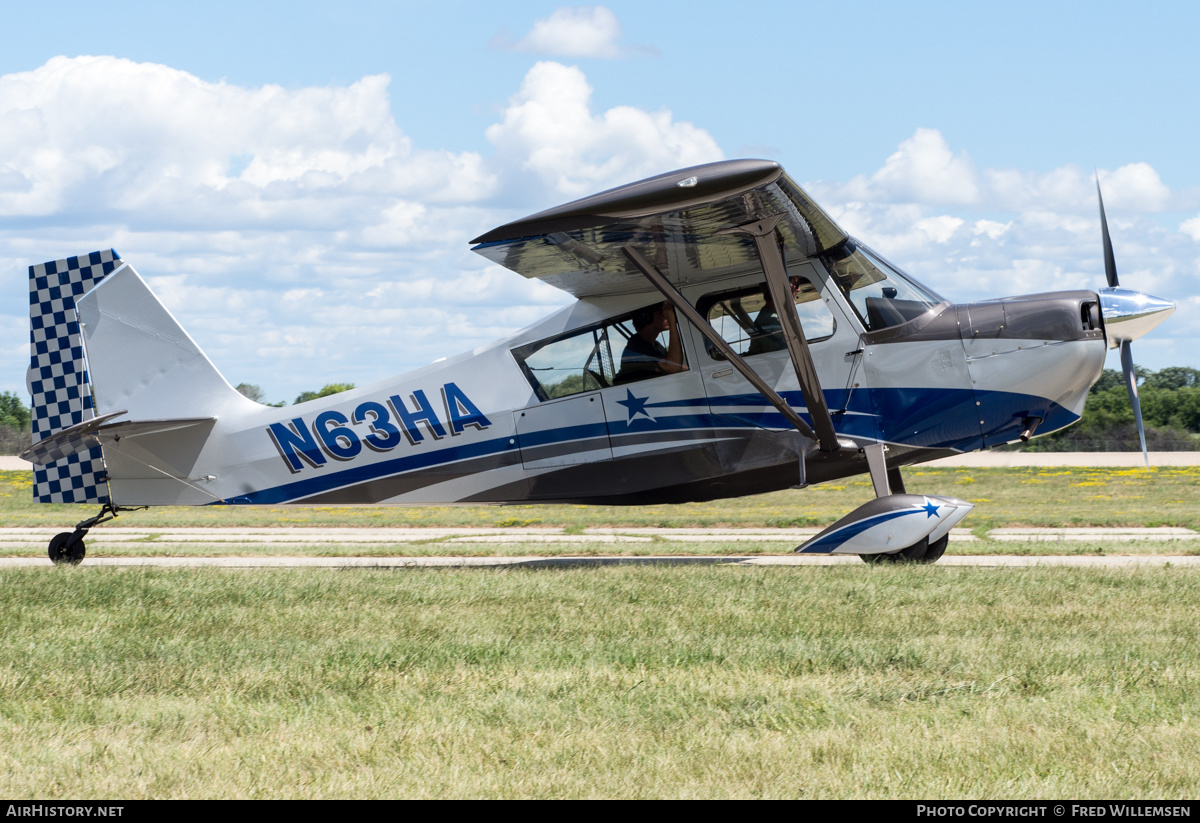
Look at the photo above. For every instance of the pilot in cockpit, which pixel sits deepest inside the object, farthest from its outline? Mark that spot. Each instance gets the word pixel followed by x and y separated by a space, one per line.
pixel 644 356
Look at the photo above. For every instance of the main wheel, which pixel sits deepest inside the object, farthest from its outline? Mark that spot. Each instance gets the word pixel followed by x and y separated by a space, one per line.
pixel 936 549
pixel 65 550
pixel 913 554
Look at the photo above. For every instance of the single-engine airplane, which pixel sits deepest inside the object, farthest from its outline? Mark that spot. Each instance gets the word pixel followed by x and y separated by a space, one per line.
pixel 728 338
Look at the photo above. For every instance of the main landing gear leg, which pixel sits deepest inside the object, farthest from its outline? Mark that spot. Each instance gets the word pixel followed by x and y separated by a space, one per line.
pixel 69 548
pixel 895 527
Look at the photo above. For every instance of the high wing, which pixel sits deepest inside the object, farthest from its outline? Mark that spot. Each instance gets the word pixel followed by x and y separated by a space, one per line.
pixel 675 220
pixel 690 226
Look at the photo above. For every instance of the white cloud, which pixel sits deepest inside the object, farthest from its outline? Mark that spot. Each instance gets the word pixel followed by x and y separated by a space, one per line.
pixel 972 234
pixel 1136 186
pixel 549 131
pixel 939 229
pixel 925 170
pixel 1065 187
pixel 991 229
pixel 302 237
pixel 1191 228
pixel 298 234
pixel 150 143
pixel 579 31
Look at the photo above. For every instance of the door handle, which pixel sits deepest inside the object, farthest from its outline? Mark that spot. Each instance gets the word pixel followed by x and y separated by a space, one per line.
pixel 721 373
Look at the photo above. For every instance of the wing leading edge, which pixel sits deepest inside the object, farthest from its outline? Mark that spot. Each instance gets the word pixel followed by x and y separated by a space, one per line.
pixel 679 221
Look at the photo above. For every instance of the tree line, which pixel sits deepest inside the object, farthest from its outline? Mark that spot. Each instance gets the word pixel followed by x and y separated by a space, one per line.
pixel 14 423
pixel 1170 401
pixel 256 393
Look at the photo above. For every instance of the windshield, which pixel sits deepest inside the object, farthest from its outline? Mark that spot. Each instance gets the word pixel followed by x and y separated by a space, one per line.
pixel 880 294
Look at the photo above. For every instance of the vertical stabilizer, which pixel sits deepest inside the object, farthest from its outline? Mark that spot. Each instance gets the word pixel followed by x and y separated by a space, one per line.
pixel 58 377
pixel 142 362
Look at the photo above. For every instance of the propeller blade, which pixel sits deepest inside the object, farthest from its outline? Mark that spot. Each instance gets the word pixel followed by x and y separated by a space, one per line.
pixel 1110 262
pixel 1131 386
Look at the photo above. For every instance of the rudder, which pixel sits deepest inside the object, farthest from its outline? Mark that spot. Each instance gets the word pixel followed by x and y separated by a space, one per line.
pixel 58 379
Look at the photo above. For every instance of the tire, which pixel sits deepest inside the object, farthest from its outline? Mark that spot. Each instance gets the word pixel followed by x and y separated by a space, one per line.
pixel 936 549
pixel 65 551
pixel 916 553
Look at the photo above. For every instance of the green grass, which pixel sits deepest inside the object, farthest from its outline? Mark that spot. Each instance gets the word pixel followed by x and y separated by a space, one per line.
pixel 1003 497
pixel 700 682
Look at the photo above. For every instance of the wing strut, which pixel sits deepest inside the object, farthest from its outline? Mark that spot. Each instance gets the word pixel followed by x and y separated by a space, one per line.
pixel 681 305
pixel 763 232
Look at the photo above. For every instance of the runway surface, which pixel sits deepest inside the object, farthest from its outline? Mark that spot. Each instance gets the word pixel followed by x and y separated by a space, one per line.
pixel 569 562
pixel 402 538
pixel 410 548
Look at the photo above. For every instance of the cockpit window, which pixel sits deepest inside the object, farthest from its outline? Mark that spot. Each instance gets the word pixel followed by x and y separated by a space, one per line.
pixel 880 294
pixel 596 357
pixel 748 322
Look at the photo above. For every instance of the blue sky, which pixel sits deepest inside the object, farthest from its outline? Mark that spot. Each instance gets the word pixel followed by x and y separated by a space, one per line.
pixel 299 180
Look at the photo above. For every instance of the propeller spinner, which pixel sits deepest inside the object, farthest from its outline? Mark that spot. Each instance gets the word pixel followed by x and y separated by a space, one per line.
pixel 1128 315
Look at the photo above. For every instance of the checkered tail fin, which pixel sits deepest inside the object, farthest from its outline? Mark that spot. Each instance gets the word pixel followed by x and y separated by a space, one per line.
pixel 58 374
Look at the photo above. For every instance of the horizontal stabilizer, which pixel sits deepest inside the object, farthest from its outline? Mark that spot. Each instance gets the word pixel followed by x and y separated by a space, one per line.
pixel 92 433
pixel 71 440
pixel 889 524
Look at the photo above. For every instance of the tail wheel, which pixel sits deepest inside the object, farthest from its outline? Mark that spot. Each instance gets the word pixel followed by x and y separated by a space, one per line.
pixel 67 549
pixel 920 552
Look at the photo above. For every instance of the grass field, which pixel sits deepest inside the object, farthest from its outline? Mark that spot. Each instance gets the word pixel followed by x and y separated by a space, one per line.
pixel 1003 497
pixel 856 681
pixel 909 682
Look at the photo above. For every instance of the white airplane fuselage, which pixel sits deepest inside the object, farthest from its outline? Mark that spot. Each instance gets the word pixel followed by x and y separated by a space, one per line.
pixel 472 428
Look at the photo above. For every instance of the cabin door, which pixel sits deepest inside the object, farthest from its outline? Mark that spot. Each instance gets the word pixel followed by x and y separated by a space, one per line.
pixel 565 432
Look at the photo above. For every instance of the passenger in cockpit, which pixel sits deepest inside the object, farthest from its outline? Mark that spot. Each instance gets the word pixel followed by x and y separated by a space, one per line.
pixel 767 334
pixel 644 356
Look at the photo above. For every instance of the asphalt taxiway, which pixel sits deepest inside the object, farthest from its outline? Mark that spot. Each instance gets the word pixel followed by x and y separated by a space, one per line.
pixel 412 547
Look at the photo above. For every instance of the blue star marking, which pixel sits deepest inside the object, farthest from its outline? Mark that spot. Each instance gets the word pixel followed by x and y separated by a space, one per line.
pixel 931 508
pixel 635 405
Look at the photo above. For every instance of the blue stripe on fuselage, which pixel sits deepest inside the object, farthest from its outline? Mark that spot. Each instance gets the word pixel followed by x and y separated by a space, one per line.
pixel 945 416
pixel 560 435
pixel 361 474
